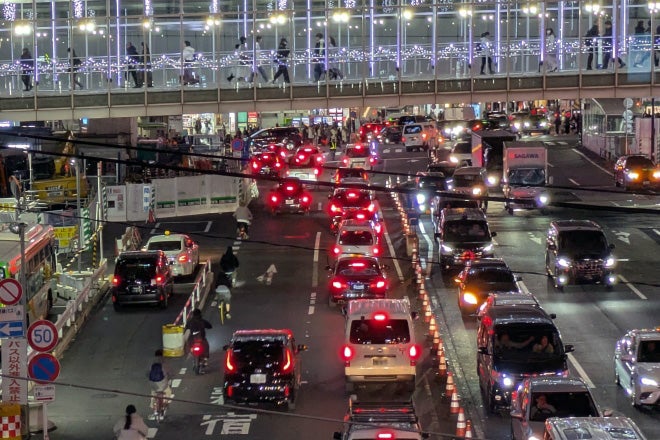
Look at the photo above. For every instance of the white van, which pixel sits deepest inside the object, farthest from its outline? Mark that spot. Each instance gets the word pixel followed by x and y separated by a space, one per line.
pixel 419 136
pixel 380 342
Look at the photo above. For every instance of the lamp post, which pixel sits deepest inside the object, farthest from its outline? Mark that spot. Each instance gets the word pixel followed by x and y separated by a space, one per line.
pixel 76 163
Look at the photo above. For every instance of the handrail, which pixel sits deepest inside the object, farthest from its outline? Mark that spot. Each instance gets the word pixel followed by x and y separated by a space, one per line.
pixel 195 297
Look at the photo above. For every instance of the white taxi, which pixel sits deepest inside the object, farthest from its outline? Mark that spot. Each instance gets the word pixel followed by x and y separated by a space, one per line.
pixel 358 156
pixel 637 365
pixel 182 251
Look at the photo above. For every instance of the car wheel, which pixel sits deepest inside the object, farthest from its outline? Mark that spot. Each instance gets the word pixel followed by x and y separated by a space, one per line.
pixel 350 387
pixel 408 149
pixel 116 306
pixel 555 279
pixel 291 401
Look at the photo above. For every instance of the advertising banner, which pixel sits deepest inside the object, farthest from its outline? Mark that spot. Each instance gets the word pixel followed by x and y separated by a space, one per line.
pixel 116 203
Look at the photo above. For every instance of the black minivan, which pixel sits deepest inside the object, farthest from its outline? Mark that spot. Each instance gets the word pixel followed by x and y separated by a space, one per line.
pixel 142 277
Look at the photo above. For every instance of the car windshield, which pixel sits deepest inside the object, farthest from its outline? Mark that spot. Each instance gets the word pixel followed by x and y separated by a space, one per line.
pixel 520 342
pixel 257 351
pixel 136 269
pixel 432 183
pixel 491 279
pixel 639 162
pixel 463 148
pixel 356 238
pixel 465 180
pixel 466 230
pixel 649 351
pixel 527 176
pixel 370 331
pixel 353 267
pixel 412 129
pixel 446 169
pixel 582 242
pixel 343 173
pixel 563 404
pixel 165 246
pixel 357 152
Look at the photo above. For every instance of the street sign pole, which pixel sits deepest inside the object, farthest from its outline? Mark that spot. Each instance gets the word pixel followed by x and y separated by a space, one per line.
pixel 23 281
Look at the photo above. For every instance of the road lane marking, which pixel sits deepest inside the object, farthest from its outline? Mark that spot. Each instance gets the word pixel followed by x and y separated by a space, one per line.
pixel 592 162
pixel 573 182
pixel 175 383
pixel 312 303
pixel 580 371
pixel 386 151
pixel 523 287
pixel 151 432
pixel 429 249
pixel 550 165
pixel 656 231
pixel 183 371
pixel 315 265
pixel 154 231
pixel 631 287
pixel 391 248
pixel 320 206
pixel 208 226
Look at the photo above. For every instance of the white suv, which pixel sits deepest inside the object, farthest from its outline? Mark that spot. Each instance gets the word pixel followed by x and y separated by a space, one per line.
pixel 420 136
pixel 356 238
pixel 380 343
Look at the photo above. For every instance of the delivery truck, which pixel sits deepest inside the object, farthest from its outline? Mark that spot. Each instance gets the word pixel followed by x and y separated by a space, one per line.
pixel 525 176
pixel 487 152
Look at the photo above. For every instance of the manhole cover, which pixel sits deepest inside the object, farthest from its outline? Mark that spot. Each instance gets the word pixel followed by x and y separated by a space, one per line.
pixel 104 396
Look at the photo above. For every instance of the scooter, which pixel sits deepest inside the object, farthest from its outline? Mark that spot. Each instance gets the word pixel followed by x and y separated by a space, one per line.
pixel 198 355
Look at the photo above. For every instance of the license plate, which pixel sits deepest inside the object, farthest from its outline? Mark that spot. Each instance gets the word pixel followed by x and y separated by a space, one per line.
pixel 289 202
pixel 358 286
pixel 136 289
pixel 361 163
pixel 257 378
pixel 647 182
pixel 380 361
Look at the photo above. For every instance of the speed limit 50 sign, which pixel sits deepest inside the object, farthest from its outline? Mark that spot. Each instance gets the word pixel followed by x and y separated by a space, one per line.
pixel 42 335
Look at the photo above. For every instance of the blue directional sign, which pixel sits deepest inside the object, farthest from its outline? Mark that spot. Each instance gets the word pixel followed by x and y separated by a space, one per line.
pixel 11 329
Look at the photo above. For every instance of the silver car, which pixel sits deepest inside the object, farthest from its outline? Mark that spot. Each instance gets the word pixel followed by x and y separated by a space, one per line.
pixel 637 365
pixel 182 252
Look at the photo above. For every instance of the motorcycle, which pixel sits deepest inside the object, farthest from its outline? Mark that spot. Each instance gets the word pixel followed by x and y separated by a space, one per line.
pixel 197 350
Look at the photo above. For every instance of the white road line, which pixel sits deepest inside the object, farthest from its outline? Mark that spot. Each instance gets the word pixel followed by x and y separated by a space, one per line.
pixel 154 231
pixel 656 231
pixel 397 266
pixel 592 162
pixel 550 165
pixel 315 265
pixel 580 371
pixel 398 150
pixel 631 287
pixel 175 383
pixel 208 226
pixel 429 248
pixel 320 206
pixel 562 143
pixel 310 311
pixel 573 182
pixel 386 151
pixel 183 371
pixel 523 287
pixel 151 432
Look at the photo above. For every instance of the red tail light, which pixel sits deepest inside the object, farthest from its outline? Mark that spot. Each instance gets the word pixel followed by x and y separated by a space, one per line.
pixel 380 317
pixel 305 199
pixel 183 259
pixel 230 391
pixel 376 250
pixel 336 250
pixel 197 348
pixel 347 354
pixel 414 352
pixel 278 165
pixel 424 136
pixel 403 139
pixel 255 165
pixel 115 281
pixel 385 436
pixel 273 199
pixel 371 207
pixel 229 361
pixel 337 284
pixel 372 160
pixel 287 365
pixel 345 160
pixel 316 171
pixel 360 216
pixel 319 159
pixel 290 188
pixel 378 228
pixel 301 157
pixel 334 208
pixel 358 147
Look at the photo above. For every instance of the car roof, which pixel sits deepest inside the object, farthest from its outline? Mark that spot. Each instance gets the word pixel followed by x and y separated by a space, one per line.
pixel 140 254
pixel 249 335
pixel 508 299
pixel 468 170
pixel 519 313
pixel 453 214
pixel 556 384
pixel 354 225
pixel 167 237
pixel 369 306
pixel 576 225
pixel 646 333
pixel 486 262
pixel 596 428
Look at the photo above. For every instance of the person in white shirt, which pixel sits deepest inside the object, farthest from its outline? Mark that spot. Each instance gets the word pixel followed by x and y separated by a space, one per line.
pixel 258 68
pixel 550 51
pixel 188 57
pixel 131 426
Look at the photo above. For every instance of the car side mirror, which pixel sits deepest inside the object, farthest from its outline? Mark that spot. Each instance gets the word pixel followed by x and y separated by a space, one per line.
pixel 493 234
pixel 516 414
pixel 518 278
pixel 553 316
pixel 414 315
pixel 569 348
pixel 608 412
pixel 611 246
pixel 225 347
pixel 482 350
pixel 552 247
pixel 302 347
pixel 336 435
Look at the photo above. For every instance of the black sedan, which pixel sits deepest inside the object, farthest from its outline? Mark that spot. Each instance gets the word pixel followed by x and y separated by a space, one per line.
pixel 289 196
pixel 356 277
pixel 636 171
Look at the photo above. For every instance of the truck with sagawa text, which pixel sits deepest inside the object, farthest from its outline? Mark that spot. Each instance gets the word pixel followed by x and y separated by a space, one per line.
pixel 525 176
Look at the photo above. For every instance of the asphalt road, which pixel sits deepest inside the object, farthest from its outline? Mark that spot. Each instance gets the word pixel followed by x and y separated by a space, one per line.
pixel 112 355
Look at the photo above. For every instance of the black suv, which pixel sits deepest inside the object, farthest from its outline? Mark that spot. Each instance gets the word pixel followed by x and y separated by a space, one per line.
pixel 479 279
pixel 463 234
pixel 142 277
pixel 577 252
pixel 288 137
pixel 262 366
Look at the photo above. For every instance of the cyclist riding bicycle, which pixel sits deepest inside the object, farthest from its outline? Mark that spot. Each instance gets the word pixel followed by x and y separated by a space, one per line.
pixel 228 265
pixel 196 328
pixel 243 218
pixel 159 380
pixel 223 296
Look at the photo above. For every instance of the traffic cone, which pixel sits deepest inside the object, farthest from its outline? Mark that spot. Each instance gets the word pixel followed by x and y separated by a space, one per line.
pixel 436 342
pixel 468 429
pixel 432 327
pixel 442 368
pixel 455 405
pixel 152 217
pixel 450 388
pixel 460 423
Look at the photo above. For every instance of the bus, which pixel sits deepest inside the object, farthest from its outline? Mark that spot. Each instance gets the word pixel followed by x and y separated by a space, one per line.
pixel 40 262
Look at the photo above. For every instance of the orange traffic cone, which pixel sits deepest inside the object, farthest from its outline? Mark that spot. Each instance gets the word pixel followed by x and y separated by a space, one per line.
pixel 460 423
pixel 450 387
pixel 455 405
pixel 432 326
pixel 468 429
pixel 436 342
pixel 442 368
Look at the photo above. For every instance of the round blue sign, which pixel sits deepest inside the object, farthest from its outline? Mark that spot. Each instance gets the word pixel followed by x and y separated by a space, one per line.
pixel 237 144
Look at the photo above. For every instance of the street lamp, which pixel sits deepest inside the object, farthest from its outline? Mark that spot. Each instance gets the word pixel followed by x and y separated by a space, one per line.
pixel 22 28
pixel 340 16
pixel 654 7
pixel 529 10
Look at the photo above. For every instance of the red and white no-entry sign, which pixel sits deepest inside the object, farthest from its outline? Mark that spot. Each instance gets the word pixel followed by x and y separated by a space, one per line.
pixel 10 292
pixel 42 335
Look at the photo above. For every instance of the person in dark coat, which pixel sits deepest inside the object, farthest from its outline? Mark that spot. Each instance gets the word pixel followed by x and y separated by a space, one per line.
pixel 282 62
pixel 27 69
pixel 590 42
pixel 608 47
pixel 133 60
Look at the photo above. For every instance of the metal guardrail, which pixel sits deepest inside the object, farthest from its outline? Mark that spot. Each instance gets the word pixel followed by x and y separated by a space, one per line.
pixel 196 295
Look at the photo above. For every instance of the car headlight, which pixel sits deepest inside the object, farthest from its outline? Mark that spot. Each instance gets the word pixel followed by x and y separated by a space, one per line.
pixel 563 262
pixel 516 124
pixel 446 249
pixel 507 382
pixel 488 248
pixel 633 175
pixel 610 262
pixel 421 198
pixel 492 180
pixel 450 186
pixel 656 174
pixel 453 159
pixel 648 382
pixel 526 124
pixel 476 191
pixel 533 437
pixel 543 199
pixel 470 298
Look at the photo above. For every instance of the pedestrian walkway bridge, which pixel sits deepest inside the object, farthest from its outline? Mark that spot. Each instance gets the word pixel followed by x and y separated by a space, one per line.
pixel 42 103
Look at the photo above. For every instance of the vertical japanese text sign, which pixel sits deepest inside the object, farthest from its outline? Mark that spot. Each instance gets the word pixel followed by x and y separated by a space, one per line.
pixel 14 363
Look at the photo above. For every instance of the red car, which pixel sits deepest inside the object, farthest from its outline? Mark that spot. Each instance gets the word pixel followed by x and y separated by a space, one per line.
pixel 344 200
pixel 267 163
pixel 306 163
pixel 370 131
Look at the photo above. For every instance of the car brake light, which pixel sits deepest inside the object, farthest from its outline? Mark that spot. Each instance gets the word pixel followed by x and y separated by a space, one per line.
pixel 385 436
pixel 334 208
pixel 337 284
pixel 229 361
pixel 380 284
pixel 183 259
pixel 358 147
pixel 278 165
pixel 288 362
pixel 351 195
pixel 380 317
pixel 316 171
pixel 360 264
pixel 414 352
pixel 345 160
pixel 157 280
pixel 255 165
pixel 347 354
pixel 336 250
pixel 372 160
pixel 289 188
pixel 360 216
pixel 301 156
pixel 273 199
pixel 424 136
pixel 403 139
pixel 115 281
pixel 305 199
pixel 319 159
pixel 371 207
pixel 376 250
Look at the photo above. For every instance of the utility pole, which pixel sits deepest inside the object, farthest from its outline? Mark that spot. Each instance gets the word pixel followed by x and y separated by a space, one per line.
pixel 80 220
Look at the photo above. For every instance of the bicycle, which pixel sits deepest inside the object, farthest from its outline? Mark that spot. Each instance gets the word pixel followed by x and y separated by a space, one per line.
pixel 159 406
pixel 224 298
